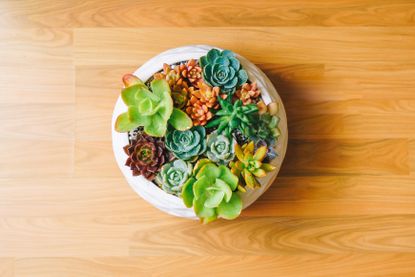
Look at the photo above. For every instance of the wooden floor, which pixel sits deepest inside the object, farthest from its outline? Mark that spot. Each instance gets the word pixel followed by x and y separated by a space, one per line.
pixel 344 204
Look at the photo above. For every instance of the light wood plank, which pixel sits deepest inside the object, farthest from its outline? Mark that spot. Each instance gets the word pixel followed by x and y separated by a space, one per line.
pixel 121 45
pixel 128 13
pixel 7 267
pixel 279 265
pixel 36 65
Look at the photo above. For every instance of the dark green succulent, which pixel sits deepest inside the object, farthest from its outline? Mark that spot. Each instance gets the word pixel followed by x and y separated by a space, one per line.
pixel 222 69
pixel 231 117
pixel 265 129
pixel 188 144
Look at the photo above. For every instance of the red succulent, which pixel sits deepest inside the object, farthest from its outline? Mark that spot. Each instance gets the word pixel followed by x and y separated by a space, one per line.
pixel 146 156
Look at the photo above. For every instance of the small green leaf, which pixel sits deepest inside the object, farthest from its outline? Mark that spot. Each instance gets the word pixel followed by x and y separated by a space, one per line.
pixel 157 127
pixel 180 120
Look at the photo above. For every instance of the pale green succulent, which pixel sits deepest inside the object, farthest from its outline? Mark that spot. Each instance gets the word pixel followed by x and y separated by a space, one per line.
pixel 211 192
pixel 220 148
pixel 173 175
pixel 187 145
pixel 222 69
pixel 151 110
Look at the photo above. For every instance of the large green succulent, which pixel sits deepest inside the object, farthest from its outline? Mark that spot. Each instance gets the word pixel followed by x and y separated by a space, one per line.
pixel 151 110
pixel 173 175
pixel 231 117
pixel 220 148
pixel 211 192
pixel 222 69
pixel 188 144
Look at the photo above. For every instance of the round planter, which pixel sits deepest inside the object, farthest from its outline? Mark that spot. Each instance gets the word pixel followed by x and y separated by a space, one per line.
pixel 152 193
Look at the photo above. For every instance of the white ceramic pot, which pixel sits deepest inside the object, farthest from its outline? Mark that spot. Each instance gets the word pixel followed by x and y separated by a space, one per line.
pixel 152 193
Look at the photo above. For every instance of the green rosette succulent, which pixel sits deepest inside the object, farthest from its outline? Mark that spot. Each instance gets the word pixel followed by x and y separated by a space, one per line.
pixel 211 192
pixel 187 145
pixel 231 117
pixel 266 129
pixel 149 109
pixel 220 148
pixel 173 175
pixel 222 69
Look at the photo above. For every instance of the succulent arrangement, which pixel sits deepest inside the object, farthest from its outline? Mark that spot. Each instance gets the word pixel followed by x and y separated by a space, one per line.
pixel 200 130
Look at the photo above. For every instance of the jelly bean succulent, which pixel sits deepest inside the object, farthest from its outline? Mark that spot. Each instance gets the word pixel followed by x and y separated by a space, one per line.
pixel 173 175
pixel 211 192
pixel 222 69
pixel 231 117
pixel 187 145
pixel 149 109
pixel 220 148
pixel 146 155
pixel 250 164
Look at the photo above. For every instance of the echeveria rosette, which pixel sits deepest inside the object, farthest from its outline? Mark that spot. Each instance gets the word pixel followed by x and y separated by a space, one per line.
pixel 149 109
pixel 187 145
pixel 211 192
pixel 250 165
pixel 231 117
pixel 146 155
pixel 173 175
pixel 220 148
pixel 222 69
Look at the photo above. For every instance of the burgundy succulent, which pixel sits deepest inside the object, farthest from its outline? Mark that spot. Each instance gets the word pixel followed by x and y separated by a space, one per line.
pixel 146 156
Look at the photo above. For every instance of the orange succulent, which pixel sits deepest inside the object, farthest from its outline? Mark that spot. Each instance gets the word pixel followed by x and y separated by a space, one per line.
pixel 191 71
pixel 201 100
pixel 249 93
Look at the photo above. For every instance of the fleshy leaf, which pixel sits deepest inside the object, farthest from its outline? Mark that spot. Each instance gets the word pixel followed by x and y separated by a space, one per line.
pixel 214 199
pixel 224 187
pixel 180 120
pixel 123 123
pixel 231 209
pixel 131 80
pixel 260 153
pixel 204 213
pixel 227 176
pixel 156 128
pixel 187 192
pixel 210 171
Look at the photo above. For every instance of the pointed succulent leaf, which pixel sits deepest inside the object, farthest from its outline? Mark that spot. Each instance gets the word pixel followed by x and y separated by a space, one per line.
pixel 268 167
pixel 260 153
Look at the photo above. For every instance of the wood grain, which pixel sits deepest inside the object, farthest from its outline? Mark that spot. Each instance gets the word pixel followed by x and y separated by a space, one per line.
pixel 343 205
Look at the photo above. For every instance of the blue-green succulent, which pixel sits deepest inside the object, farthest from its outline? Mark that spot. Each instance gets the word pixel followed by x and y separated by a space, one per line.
pixel 187 145
pixel 220 148
pixel 173 175
pixel 222 69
